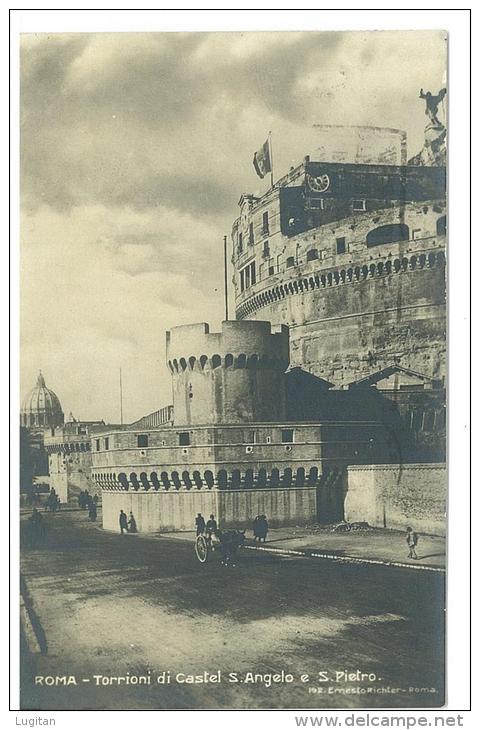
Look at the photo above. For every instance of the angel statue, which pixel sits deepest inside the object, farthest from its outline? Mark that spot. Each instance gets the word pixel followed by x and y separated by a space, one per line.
pixel 432 102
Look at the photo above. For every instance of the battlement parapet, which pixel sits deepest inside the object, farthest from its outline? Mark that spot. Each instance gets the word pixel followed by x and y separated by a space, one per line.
pixel 240 345
pixel 327 278
pixel 58 444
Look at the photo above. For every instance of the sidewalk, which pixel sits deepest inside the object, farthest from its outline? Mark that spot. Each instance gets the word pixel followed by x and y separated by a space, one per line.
pixel 369 545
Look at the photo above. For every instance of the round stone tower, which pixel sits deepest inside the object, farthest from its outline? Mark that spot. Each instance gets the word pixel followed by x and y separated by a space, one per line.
pixel 233 376
pixel 41 407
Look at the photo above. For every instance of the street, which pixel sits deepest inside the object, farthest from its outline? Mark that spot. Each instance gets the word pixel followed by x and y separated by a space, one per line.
pixel 112 605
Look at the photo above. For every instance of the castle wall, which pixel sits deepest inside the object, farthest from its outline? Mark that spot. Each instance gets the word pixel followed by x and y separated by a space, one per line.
pixel 168 512
pixel 395 496
pixel 158 511
pixel 346 331
pixel 283 507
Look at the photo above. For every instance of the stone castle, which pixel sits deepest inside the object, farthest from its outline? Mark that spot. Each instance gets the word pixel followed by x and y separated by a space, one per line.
pixel 352 259
pixel 325 398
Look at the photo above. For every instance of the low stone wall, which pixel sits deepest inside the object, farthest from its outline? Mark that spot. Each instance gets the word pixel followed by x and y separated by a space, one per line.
pixel 394 496
pixel 170 511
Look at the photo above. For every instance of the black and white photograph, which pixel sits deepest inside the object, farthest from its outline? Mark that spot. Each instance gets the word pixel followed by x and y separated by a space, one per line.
pixel 233 370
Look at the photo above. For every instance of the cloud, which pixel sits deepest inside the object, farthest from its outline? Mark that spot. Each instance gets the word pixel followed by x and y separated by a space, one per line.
pixel 135 148
pixel 95 297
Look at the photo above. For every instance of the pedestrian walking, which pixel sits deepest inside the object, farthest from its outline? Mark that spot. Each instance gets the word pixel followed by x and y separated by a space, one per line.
pixel 92 511
pixel 263 528
pixel 132 525
pixel 200 524
pixel 260 528
pixel 123 522
pixel 412 541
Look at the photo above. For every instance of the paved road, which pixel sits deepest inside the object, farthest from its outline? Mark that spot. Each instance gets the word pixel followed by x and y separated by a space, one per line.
pixel 133 606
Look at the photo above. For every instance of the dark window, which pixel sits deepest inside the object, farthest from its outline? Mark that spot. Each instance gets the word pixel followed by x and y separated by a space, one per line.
pixel 250 437
pixel 97 444
pixel 271 270
pixel 388 234
pixel 142 440
pixel 265 222
pixel 358 205
pixel 251 238
pixel 247 277
pixel 442 226
pixel 341 245
pixel 312 254
pixel 184 438
pixel 287 435
pixel 107 444
pixel 290 261
pixel 242 280
pixel 266 249
pixel 253 273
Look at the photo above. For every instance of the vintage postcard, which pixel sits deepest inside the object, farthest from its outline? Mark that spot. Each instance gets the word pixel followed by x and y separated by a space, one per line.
pixel 233 370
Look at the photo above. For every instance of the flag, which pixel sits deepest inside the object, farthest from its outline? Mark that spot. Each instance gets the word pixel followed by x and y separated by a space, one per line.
pixel 261 160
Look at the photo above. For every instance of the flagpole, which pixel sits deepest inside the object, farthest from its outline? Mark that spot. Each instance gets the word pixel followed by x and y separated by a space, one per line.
pixel 225 274
pixel 121 398
pixel 271 158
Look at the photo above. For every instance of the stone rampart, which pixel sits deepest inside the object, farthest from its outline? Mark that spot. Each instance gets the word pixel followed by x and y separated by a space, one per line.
pixel 395 496
pixel 169 512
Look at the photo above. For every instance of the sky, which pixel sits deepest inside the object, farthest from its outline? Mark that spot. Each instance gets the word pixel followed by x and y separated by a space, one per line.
pixel 135 149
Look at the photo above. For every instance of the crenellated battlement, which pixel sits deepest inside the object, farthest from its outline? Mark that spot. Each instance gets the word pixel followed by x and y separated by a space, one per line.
pixel 239 345
pixel 228 361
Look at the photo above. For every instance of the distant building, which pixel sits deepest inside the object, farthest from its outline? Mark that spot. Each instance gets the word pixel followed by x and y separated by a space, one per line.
pixel 41 407
pixel 69 457
pixel 40 410
pixel 51 450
